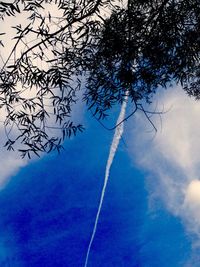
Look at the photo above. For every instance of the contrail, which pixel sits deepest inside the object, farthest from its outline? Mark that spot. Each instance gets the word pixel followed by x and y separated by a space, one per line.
pixel 115 142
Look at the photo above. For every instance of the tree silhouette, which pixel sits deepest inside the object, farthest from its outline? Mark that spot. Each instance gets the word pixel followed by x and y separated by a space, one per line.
pixel 107 48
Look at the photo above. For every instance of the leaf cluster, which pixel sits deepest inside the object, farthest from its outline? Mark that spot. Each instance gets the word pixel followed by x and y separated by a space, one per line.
pixel 142 47
pixel 129 47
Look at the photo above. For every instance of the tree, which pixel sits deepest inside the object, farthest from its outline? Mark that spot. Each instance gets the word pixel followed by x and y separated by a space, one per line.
pixel 109 48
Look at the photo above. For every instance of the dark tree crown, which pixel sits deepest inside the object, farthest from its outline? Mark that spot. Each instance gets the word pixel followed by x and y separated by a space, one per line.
pixel 109 49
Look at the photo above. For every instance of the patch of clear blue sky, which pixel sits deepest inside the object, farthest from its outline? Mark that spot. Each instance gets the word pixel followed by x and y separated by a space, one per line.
pixel 47 212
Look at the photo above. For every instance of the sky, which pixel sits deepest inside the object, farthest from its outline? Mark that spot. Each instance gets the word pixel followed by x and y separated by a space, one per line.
pixel 150 210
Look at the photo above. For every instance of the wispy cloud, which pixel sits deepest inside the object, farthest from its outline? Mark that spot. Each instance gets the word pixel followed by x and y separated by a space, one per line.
pixel 10 162
pixel 172 157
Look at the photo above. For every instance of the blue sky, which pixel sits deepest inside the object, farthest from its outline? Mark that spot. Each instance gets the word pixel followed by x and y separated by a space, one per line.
pixel 150 213
pixel 48 209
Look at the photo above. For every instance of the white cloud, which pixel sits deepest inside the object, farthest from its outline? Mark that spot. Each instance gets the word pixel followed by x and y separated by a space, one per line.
pixel 10 162
pixel 192 196
pixel 172 157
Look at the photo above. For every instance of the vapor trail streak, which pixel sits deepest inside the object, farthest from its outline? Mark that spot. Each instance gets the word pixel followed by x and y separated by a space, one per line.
pixel 115 142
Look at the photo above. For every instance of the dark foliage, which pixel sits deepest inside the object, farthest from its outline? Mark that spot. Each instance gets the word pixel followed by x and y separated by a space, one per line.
pixel 120 47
